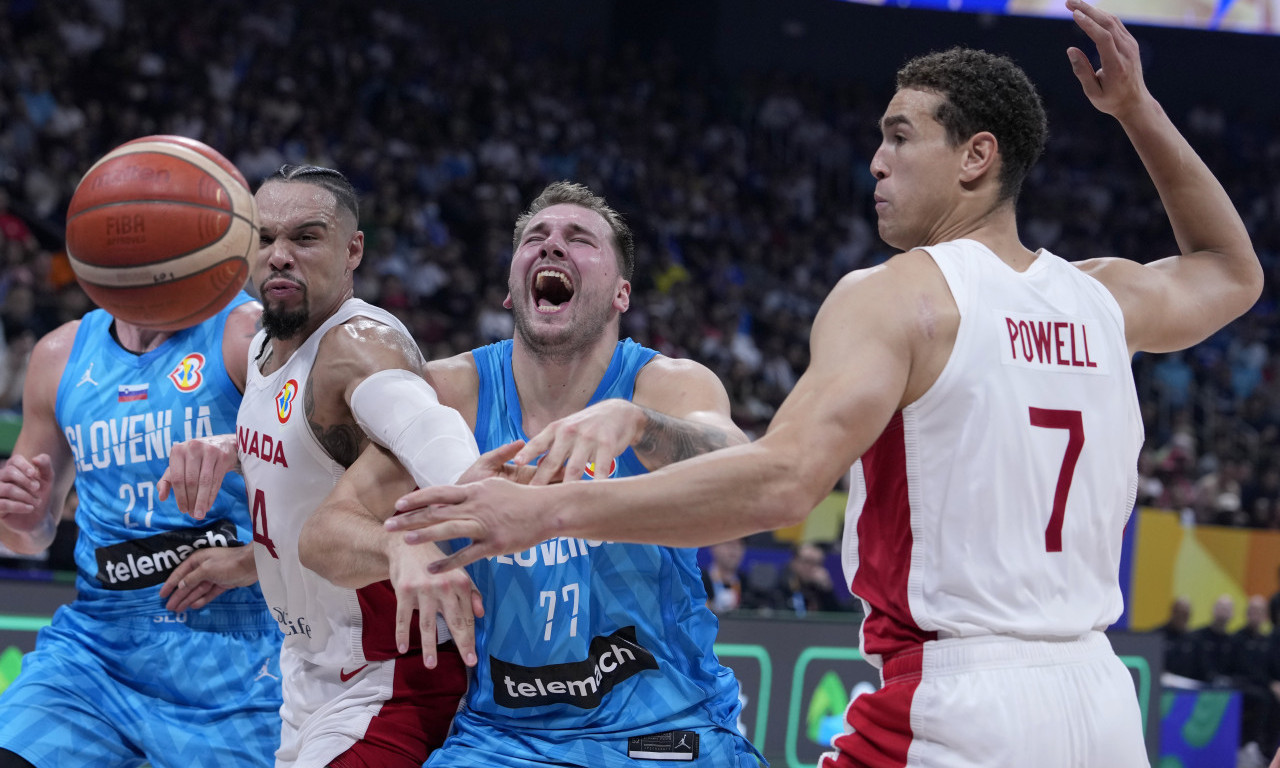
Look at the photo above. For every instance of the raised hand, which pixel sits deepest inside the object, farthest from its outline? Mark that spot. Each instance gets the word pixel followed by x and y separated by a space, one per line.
pixel 1117 85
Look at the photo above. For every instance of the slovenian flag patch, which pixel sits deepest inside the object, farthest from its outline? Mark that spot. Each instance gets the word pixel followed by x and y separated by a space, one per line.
pixel 130 392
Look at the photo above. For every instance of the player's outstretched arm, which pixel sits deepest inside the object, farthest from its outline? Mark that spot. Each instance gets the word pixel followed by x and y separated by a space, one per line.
pixel 344 541
pixel 1178 301
pixel 679 410
pixel 861 351
pixel 195 472
pixel 37 478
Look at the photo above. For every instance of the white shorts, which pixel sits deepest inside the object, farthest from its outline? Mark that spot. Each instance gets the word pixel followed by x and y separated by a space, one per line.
pixel 997 702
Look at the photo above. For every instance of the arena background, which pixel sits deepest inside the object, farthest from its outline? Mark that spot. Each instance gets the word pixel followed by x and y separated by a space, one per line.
pixel 678 69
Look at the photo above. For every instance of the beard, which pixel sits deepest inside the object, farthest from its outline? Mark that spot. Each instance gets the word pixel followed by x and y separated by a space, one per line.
pixel 283 323
pixel 565 343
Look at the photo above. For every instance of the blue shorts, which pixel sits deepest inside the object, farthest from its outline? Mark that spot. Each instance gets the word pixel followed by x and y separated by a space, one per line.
pixel 474 742
pixel 122 690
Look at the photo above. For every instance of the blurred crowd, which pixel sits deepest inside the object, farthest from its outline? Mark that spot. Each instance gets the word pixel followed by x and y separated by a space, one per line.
pixel 1247 660
pixel 749 194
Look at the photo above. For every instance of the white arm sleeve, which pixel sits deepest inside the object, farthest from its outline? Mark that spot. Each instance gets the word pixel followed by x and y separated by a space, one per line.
pixel 399 411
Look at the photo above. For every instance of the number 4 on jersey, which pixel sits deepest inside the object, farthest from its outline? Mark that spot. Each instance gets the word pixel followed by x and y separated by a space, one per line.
pixel 260 523
pixel 1073 422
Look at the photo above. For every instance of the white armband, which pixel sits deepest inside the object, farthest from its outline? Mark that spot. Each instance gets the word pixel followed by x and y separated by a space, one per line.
pixel 399 410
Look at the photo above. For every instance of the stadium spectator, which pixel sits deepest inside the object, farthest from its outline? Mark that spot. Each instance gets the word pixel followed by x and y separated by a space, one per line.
pixel 1254 660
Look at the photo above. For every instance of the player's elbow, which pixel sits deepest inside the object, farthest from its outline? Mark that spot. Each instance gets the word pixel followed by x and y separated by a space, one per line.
pixel 1250 288
pixel 1242 275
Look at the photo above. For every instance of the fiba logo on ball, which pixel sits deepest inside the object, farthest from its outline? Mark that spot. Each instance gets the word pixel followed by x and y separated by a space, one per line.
pixel 159 232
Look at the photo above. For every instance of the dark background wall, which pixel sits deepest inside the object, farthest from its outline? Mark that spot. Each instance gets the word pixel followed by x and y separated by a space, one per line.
pixel 865 45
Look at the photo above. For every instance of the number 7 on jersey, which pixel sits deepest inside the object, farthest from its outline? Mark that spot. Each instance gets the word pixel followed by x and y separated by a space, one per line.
pixel 1073 422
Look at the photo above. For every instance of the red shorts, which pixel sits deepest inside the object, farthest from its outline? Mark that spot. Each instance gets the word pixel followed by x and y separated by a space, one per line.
pixel 416 719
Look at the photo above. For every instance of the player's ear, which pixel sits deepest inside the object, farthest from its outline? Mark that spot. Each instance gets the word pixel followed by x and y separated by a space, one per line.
pixel 355 250
pixel 622 299
pixel 980 155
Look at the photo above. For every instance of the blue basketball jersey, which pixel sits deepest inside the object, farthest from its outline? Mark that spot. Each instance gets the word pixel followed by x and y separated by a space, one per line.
pixel 586 636
pixel 121 413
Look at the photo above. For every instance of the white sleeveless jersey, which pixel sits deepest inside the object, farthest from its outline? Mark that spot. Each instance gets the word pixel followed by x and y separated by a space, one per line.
pixel 996 503
pixel 287 474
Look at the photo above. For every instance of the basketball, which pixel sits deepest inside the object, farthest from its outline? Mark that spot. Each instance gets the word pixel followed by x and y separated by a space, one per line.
pixel 159 232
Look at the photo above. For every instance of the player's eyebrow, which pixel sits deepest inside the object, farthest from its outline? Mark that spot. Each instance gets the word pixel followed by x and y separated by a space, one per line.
pixel 542 227
pixel 890 121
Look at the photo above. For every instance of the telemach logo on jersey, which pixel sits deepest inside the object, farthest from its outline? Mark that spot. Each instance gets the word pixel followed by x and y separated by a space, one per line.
pixel 610 660
pixel 146 562
pixel 186 376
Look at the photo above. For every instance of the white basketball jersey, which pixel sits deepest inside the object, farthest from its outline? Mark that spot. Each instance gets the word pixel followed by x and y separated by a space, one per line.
pixel 996 503
pixel 287 474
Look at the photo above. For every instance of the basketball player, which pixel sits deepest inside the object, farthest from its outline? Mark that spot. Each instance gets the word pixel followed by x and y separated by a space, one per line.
pixel 121 676
pixel 591 653
pixel 327 371
pixel 982 393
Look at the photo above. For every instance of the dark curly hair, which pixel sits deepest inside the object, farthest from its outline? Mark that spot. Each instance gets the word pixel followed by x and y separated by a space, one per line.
pixel 984 92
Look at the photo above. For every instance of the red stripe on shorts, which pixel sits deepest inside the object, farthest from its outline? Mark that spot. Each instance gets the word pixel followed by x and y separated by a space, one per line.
pixel 880 721
pixel 416 719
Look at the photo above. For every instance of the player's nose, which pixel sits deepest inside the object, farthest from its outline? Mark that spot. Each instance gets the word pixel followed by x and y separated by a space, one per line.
pixel 278 256
pixel 554 246
pixel 879 168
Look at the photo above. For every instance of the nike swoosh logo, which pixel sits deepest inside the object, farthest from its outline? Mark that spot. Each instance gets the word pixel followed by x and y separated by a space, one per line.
pixel 345 675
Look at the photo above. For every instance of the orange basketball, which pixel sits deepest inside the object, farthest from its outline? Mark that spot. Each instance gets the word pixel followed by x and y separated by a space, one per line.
pixel 159 232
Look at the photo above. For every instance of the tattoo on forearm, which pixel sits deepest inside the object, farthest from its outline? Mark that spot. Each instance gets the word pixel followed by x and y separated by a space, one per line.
pixel 667 440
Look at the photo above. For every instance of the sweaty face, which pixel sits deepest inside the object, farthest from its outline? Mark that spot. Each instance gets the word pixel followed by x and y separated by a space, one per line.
pixel 564 286
pixel 916 172
pixel 305 254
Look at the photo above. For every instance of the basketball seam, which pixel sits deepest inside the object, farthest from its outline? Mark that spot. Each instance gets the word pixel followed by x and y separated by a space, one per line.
pixel 142 275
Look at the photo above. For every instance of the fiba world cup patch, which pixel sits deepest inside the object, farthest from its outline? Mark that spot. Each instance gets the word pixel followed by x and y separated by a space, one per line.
pixel 186 376
pixel 591 469
pixel 284 400
pixel 671 745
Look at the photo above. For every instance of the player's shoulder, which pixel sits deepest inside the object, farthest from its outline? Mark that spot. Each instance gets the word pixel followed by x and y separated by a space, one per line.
pixel 362 335
pixel 56 343
pixel 1112 269
pixel 358 347
pixel 50 354
pixel 672 369
pixel 455 379
pixel 243 323
pixel 245 317
pixel 1128 282
pixel 893 284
